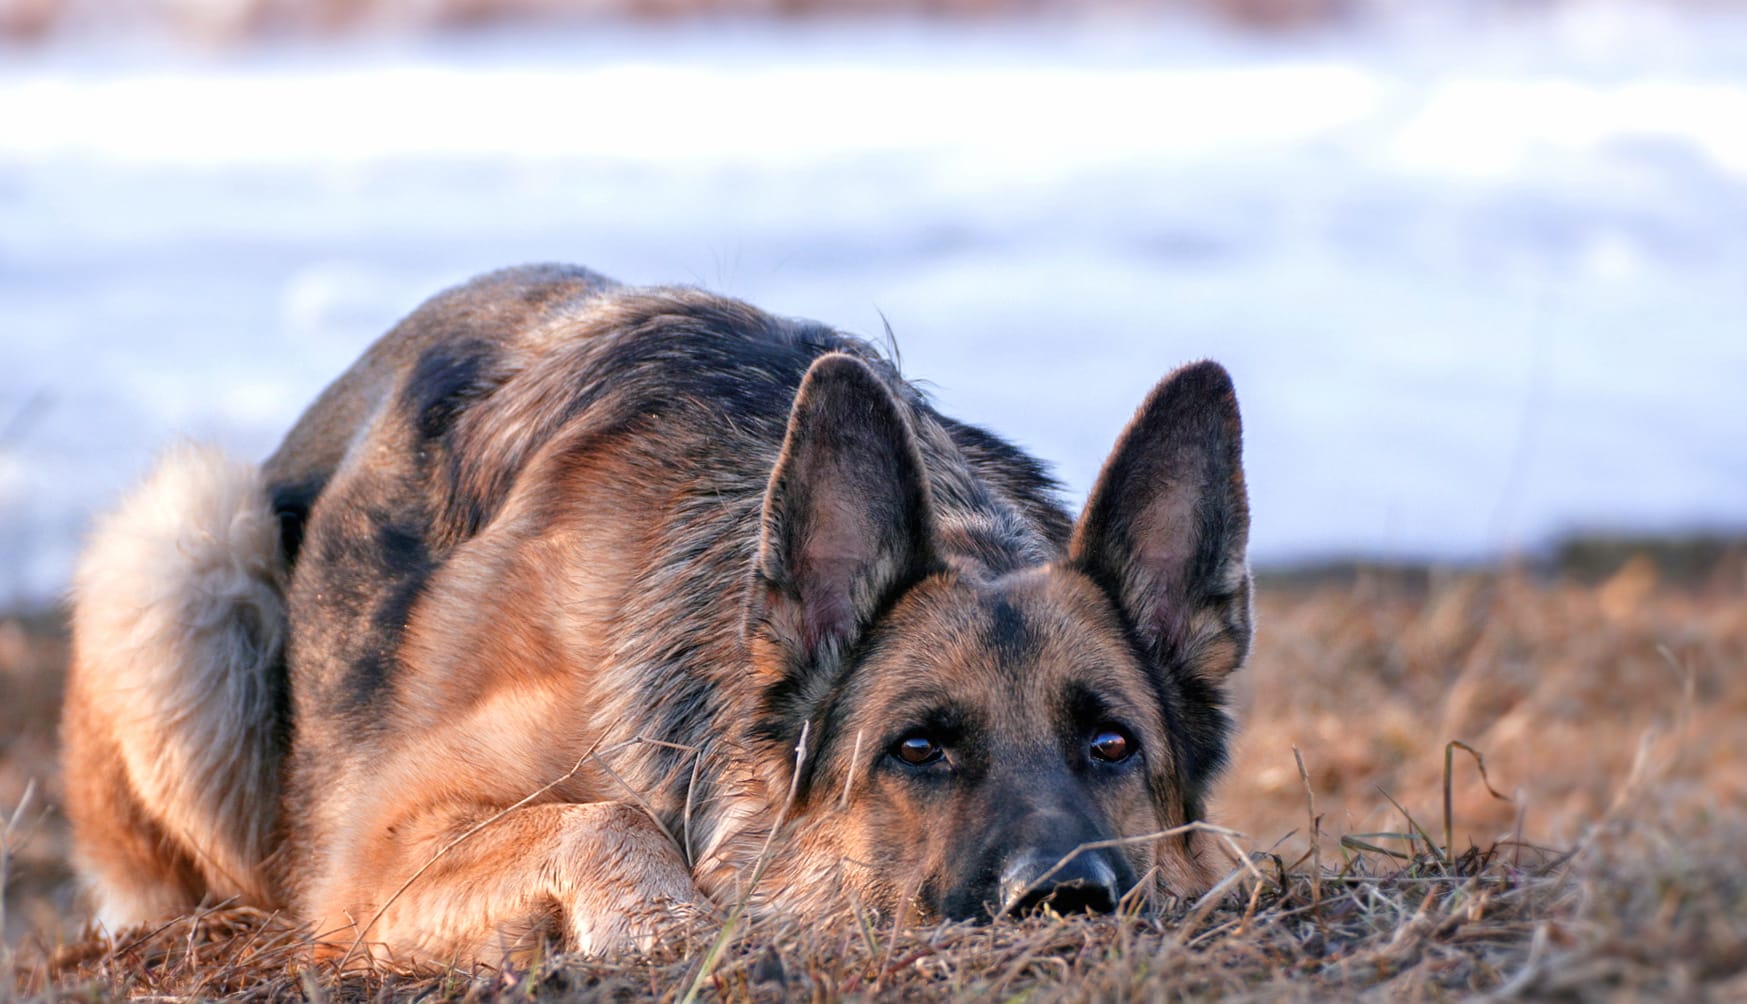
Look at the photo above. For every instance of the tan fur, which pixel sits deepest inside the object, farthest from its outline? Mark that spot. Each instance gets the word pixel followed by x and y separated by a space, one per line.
pixel 178 622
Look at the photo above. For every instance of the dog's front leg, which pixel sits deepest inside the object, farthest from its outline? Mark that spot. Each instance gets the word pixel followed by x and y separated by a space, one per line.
pixel 448 885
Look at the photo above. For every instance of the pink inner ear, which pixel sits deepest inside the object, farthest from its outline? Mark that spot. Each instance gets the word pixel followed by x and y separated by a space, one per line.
pixel 804 623
pixel 826 612
pixel 840 550
pixel 1163 539
pixel 837 555
pixel 1165 530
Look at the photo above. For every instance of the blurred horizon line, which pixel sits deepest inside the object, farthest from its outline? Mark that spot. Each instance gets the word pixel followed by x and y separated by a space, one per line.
pixel 223 23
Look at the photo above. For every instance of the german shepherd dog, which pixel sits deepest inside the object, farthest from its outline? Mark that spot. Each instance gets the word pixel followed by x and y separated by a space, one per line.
pixel 572 609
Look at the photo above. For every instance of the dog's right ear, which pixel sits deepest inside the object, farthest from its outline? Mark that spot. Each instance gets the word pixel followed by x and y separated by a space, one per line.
pixel 847 524
pixel 1166 528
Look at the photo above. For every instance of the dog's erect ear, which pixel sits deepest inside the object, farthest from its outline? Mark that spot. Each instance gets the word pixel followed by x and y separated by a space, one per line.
pixel 1166 528
pixel 847 520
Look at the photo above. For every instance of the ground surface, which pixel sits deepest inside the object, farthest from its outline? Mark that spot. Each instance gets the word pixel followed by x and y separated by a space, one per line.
pixel 1603 699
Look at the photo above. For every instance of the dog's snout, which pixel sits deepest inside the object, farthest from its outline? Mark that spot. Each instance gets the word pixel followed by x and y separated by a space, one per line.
pixel 1080 883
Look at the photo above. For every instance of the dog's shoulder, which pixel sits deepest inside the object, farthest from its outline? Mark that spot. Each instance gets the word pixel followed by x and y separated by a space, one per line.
pixel 427 367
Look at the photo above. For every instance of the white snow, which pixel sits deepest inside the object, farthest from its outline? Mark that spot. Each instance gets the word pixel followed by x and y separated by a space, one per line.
pixel 1480 281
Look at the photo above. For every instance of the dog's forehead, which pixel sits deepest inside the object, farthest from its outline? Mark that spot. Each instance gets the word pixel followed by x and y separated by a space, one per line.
pixel 1014 638
pixel 1046 616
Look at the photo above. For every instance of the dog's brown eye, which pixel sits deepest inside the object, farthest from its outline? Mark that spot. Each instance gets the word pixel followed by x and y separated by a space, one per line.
pixel 1111 746
pixel 917 750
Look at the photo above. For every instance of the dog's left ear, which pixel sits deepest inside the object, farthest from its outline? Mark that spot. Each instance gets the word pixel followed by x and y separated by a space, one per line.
pixel 847 524
pixel 1166 528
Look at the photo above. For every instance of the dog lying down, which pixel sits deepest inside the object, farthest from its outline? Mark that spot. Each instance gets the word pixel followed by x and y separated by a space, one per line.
pixel 572 608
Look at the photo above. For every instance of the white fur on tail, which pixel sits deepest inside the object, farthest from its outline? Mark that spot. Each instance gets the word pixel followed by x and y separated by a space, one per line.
pixel 179 609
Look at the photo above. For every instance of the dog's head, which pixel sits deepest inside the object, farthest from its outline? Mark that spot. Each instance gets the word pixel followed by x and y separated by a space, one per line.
pixel 984 741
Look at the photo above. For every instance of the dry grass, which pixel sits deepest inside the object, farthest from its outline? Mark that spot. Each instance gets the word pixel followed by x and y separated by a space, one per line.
pixel 1605 707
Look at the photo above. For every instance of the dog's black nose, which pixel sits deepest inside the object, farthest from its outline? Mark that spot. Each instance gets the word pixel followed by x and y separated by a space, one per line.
pixel 1083 883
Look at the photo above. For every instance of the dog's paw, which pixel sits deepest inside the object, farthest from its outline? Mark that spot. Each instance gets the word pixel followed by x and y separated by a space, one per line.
pixel 666 920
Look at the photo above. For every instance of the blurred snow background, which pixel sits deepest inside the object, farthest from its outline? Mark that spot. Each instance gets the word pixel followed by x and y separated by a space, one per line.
pixel 1480 270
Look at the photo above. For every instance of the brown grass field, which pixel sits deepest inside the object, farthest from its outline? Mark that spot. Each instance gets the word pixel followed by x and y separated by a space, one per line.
pixel 1610 865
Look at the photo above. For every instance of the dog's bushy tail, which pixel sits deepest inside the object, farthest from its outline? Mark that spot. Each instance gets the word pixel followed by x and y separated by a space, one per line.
pixel 176 703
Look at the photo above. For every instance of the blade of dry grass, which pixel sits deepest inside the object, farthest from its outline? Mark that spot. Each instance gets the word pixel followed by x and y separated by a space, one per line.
pixel 1449 769
pixel 6 839
pixel 1315 824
